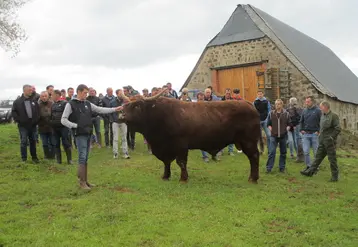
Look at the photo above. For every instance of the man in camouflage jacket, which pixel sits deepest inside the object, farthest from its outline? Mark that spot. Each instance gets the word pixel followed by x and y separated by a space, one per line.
pixel 329 131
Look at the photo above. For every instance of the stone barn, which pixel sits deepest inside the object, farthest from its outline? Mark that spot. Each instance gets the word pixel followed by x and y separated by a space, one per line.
pixel 257 51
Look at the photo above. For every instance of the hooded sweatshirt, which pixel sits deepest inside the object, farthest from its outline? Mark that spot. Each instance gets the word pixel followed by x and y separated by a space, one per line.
pixel 263 107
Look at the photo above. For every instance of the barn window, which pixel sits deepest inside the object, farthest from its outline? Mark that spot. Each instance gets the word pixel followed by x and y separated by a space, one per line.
pixel 345 123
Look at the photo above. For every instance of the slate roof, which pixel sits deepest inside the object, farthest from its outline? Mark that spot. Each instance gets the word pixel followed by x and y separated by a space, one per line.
pixel 316 61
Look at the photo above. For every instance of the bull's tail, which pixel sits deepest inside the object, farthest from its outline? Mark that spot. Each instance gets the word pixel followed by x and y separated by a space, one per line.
pixel 262 149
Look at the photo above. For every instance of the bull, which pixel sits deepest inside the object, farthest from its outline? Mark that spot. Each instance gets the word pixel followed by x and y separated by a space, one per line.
pixel 174 127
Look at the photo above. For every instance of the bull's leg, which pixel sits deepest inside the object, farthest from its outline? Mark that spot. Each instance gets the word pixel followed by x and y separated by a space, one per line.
pixel 252 153
pixel 182 160
pixel 167 172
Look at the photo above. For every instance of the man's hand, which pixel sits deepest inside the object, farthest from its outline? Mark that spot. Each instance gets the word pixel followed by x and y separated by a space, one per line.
pixel 317 133
pixel 303 132
pixel 119 108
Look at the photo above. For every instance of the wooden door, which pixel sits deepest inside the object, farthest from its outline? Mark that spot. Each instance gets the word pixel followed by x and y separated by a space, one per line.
pixel 244 78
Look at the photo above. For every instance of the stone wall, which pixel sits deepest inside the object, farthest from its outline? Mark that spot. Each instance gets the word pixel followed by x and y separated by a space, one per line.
pixel 264 49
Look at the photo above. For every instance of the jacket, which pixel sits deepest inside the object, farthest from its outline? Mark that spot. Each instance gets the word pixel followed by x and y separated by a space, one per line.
pixel 115 102
pixel 78 116
pixel 295 115
pixel 96 101
pixel 310 119
pixel 45 117
pixel 82 116
pixel 279 123
pixel 56 113
pixel 35 96
pixel 263 107
pixel 19 113
pixel 329 127
pixel 106 102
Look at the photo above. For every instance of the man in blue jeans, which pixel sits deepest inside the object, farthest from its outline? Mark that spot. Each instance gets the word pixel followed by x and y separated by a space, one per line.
pixel 263 106
pixel 26 114
pixel 78 116
pixel 309 125
pixel 279 124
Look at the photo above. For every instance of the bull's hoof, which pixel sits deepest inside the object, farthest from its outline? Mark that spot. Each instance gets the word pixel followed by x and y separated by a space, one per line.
pixel 252 181
pixel 165 179
pixel 182 181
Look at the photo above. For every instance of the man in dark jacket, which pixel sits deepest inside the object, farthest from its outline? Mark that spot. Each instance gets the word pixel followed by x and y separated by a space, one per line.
pixel 25 112
pixel 279 123
pixel 60 132
pixel 119 128
pixel 263 107
pixel 329 131
pixel 96 120
pixel 171 91
pixel 45 129
pixel 309 125
pixel 34 96
pixel 108 131
pixel 78 116
pixel 294 135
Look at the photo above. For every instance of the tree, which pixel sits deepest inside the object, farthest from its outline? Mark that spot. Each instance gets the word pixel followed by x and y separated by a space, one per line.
pixel 11 33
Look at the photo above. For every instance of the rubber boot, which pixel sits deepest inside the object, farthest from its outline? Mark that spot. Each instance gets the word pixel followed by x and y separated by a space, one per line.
pixel 309 172
pixel 82 177
pixel 46 152
pixel 51 153
pixel 300 156
pixel 334 177
pixel 58 155
pixel 87 183
pixel 69 155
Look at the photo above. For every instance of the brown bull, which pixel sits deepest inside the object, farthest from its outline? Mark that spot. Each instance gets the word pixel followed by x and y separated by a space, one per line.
pixel 172 127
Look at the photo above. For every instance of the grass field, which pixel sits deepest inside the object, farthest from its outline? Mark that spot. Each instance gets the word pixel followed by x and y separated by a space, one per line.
pixel 41 205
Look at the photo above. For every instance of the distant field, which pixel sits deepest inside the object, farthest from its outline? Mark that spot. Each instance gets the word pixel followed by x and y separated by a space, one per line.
pixel 41 205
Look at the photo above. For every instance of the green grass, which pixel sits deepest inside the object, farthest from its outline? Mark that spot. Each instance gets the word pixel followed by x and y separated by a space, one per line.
pixel 41 205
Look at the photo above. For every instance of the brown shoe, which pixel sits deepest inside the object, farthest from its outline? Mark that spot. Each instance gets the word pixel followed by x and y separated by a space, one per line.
pixel 82 177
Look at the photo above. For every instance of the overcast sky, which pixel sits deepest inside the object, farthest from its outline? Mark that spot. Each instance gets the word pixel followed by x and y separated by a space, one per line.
pixel 146 43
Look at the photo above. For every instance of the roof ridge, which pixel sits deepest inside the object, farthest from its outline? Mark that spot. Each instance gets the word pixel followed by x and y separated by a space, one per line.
pixel 251 10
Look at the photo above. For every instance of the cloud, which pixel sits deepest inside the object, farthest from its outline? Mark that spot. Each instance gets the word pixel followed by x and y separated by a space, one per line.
pixel 147 42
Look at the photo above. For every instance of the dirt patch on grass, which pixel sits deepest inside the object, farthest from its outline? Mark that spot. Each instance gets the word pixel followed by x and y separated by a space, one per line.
pixel 293 180
pixel 279 226
pixel 55 170
pixel 119 189
pixel 335 195
pixel 123 190
pixel 27 205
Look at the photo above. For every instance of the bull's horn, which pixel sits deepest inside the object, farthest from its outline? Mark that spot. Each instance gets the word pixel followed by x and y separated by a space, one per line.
pixel 155 96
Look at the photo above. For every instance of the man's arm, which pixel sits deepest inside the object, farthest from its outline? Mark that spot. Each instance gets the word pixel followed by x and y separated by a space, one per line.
pixel 102 110
pixel 336 125
pixel 64 119
pixel 269 121
pixel 14 113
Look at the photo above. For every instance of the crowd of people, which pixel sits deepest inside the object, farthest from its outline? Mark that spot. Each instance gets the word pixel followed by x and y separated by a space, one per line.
pixel 73 119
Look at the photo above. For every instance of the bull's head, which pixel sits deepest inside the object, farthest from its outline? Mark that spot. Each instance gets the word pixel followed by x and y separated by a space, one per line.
pixel 133 113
